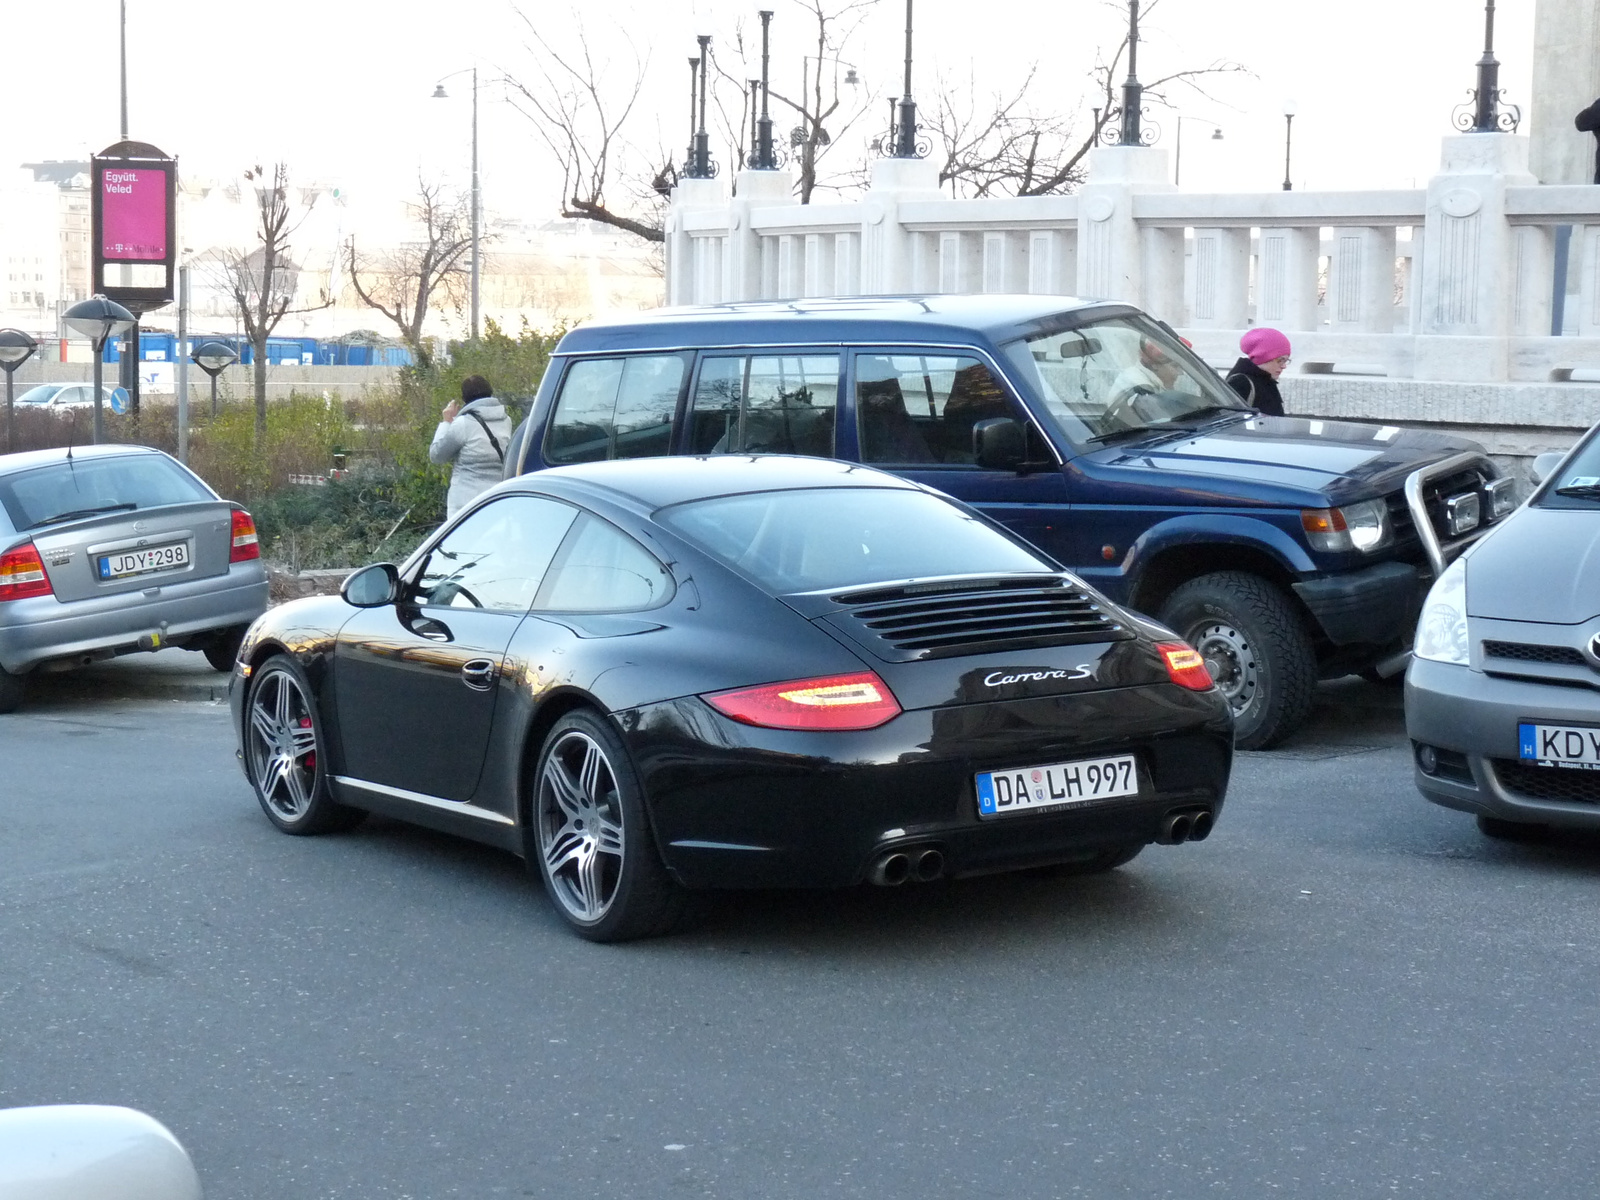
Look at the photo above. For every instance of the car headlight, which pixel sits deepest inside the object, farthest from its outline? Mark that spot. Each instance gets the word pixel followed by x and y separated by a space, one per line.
pixel 1363 526
pixel 1442 630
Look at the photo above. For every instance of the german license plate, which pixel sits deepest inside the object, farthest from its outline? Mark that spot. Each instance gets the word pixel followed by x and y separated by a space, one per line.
pixel 1560 745
pixel 1001 793
pixel 144 560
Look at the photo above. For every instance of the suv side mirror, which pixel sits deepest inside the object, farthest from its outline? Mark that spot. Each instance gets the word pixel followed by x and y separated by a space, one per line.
pixel 372 587
pixel 999 444
pixel 1544 464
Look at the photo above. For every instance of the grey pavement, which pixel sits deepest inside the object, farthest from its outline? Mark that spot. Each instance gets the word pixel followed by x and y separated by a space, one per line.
pixel 172 674
pixel 1344 992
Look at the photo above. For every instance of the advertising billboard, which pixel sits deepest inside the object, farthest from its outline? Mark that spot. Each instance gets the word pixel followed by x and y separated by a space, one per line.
pixel 135 232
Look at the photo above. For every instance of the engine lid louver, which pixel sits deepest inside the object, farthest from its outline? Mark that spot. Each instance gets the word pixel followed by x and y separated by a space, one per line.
pixel 974 617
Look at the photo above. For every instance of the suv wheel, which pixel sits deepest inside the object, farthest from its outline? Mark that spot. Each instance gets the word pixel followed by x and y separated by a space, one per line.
pixel 1256 648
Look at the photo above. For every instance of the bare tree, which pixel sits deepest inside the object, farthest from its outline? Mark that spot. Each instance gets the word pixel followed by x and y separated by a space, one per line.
pixel 263 280
pixel 580 117
pixel 403 283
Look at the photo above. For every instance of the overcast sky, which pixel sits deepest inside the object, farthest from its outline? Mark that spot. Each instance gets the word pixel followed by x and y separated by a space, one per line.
pixel 340 88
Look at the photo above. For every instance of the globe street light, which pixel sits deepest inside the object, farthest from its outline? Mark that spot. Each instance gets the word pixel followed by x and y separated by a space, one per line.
pixel 99 320
pixel 1288 139
pixel 477 207
pixel 212 358
pixel 16 348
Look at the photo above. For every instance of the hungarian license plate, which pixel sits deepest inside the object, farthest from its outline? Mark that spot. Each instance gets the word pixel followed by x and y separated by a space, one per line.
pixel 1058 785
pixel 144 560
pixel 1560 745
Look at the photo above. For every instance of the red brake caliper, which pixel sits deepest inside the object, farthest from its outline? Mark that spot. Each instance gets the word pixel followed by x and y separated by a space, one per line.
pixel 311 756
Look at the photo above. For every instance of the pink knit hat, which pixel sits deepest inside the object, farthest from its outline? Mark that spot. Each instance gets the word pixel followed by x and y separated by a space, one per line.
pixel 1263 345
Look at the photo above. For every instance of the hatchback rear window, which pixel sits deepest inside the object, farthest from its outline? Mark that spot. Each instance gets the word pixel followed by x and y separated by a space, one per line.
pixel 816 538
pixel 86 487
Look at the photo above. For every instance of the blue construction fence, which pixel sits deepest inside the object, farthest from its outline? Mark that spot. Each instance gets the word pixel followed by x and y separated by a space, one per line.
pixel 293 351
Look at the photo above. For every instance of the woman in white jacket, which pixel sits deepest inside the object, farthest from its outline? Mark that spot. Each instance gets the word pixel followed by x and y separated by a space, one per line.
pixel 473 436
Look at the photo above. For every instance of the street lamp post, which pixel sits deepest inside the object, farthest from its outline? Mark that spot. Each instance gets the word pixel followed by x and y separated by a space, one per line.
pixel 16 348
pixel 1177 158
pixel 904 138
pixel 477 200
pixel 1130 113
pixel 1288 142
pixel 99 320
pixel 766 159
pixel 213 358
pixel 1484 112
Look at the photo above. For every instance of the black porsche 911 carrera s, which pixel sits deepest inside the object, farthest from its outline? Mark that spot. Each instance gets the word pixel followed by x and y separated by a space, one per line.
pixel 652 675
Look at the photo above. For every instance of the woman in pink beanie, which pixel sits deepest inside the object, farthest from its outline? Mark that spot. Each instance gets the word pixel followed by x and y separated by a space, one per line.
pixel 1255 375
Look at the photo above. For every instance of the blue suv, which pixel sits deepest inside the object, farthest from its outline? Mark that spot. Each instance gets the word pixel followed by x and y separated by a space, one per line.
pixel 1284 549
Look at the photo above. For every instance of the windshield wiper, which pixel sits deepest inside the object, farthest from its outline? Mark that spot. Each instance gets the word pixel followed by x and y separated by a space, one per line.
pixel 1583 491
pixel 1213 410
pixel 78 513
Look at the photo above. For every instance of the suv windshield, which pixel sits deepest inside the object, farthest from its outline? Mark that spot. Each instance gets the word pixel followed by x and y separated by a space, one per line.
pixel 1577 483
pixel 68 490
pixel 1120 377
pixel 814 538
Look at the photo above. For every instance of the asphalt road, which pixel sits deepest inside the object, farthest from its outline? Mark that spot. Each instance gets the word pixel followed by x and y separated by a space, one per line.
pixel 1345 992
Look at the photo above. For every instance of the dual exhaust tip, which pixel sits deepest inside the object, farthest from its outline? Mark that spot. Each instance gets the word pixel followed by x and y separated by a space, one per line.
pixel 1190 825
pixel 922 865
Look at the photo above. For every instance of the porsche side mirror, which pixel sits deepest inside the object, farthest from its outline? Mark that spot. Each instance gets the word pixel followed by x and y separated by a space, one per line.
pixel 999 444
pixel 372 587
pixel 1543 464
pixel 91 1152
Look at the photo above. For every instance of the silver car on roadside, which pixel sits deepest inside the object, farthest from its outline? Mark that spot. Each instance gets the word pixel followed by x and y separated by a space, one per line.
pixel 1503 690
pixel 107 550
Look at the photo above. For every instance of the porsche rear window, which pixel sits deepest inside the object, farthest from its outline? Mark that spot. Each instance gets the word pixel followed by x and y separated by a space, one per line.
pixel 85 487
pixel 816 538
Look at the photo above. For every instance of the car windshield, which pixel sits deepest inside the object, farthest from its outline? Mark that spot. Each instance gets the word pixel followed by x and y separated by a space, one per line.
pixel 815 538
pixel 84 487
pixel 1120 377
pixel 42 394
pixel 1577 483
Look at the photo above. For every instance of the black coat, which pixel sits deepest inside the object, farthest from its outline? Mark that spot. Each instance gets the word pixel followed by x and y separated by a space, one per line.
pixel 1260 390
pixel 1588 121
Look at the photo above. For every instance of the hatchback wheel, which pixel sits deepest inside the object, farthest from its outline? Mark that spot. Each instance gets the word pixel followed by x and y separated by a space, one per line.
pixel 283 752
pixel 591 838
pixel 12 689
pixel 223 648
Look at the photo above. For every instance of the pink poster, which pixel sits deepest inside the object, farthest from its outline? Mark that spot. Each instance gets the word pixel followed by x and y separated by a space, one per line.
pixel 134 214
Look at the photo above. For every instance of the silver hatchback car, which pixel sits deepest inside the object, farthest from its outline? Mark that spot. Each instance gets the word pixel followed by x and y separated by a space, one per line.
pixel 1503 691
pixel 107 550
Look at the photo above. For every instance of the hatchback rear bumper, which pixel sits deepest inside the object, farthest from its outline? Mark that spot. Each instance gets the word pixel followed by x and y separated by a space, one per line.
pixel 38 631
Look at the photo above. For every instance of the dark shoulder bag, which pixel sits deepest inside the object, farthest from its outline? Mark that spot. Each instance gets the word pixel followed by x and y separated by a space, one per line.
pixel 493 441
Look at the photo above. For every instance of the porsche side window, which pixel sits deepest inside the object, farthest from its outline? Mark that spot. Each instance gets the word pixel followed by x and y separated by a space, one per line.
pixel 919 408
pixel 601 569
pixel 766 404
pixel 496 558
pixel 615 408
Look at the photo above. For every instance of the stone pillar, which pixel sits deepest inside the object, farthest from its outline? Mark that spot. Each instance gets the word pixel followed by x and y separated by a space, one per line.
pixel 1469 283
pixel 1221 279
pixel 1110 256
pixel 1361 281
pixel 753 190
pixel 886 246
pixel 691 195
pixel 1286 279
pixel 1566 80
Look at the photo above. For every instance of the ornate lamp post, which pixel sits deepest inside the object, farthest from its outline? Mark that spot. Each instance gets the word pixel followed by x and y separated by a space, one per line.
pixel 1177 158
pixel 700 165
pixel 99 320
pixel 903 130
pixel 1288 142
pixel 16 348
pixel 765 158
pixel 1131 131
pixel 212 358
pixel 1483 112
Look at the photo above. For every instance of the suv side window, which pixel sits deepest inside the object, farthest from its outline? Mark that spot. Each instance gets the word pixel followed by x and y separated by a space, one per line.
pixel 765 404
pixel 497 557
pixel 601 569
pixel 615 408
pixel 920 408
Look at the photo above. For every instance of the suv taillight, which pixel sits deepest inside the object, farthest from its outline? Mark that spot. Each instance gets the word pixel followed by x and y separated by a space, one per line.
pixel 245 543
pixel 22 574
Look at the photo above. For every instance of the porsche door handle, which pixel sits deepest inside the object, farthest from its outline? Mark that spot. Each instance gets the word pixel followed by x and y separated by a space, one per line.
pixel 478 674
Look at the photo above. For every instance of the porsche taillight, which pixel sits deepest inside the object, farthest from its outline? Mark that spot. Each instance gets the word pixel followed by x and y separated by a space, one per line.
pixel 857 701
pixel 22 573
pixel 245 543
pixel 1184 666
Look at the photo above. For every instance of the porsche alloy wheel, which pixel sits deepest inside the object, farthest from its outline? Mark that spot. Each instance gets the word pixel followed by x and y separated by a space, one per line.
pixel 283 752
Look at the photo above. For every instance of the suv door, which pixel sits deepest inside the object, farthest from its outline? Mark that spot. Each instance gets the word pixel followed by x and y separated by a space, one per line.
pixel 415 683
pixel 764 402
pixel 912 411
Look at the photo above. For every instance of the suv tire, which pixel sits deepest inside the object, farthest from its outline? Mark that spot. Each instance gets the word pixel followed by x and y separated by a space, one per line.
pixel 1257 648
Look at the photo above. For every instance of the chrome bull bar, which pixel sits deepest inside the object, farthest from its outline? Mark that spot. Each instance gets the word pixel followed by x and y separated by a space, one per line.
pixel 1440 554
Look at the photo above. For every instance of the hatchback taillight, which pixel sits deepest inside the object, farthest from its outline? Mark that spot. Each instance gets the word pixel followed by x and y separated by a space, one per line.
pixel 245 543
pixel 856 701
pixel 22 573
